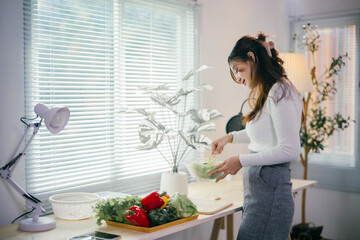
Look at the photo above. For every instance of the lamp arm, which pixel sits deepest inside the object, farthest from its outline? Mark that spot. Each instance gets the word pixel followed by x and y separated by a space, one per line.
pixel 28 197
pixel 18 146
pixel 11 165
pixel 8 168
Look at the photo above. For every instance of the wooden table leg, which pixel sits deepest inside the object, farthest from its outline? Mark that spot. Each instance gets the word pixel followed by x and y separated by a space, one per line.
pixel 230 227
pixel 216 229
pixel 219 223
pixel 222 223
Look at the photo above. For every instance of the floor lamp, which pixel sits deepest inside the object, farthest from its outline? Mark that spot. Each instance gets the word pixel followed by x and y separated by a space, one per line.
pixel 297 71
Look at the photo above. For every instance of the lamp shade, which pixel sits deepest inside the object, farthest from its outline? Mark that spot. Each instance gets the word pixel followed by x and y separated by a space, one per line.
pixel 297 71
pixel 55 118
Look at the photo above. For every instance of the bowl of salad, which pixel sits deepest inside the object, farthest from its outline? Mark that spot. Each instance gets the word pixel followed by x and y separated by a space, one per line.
pixel 200 170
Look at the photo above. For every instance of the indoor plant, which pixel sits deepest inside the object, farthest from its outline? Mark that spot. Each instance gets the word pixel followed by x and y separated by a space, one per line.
pixel 317 125
pixel 177 131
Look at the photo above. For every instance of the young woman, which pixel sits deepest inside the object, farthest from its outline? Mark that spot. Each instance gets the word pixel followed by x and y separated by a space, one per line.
pixel 272 129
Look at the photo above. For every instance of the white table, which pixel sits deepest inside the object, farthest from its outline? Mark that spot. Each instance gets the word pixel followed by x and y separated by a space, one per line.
pixel 228 190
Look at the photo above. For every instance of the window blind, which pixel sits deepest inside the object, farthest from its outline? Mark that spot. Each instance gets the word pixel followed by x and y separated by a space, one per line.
pixel 337 41
pixel 338 36
pixel 337 168
pixel 91 55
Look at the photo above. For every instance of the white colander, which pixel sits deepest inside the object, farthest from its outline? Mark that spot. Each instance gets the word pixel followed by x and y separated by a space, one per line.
pixel 73 206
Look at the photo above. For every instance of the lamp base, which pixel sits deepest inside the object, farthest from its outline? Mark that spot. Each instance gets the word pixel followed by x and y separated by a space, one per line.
pixel 43 224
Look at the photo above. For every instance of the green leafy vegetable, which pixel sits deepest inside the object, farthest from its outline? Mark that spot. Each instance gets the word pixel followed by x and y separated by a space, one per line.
pixel 158 216
pixel 114 209
pixel 202 169
pixel 172 213
pixel 183 205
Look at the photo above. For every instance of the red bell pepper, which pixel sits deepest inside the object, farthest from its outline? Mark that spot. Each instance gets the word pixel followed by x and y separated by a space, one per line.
pixel 137 216
pixel 152 201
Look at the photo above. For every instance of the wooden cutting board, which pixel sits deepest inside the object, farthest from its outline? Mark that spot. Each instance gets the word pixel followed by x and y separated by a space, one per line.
pixel 209 207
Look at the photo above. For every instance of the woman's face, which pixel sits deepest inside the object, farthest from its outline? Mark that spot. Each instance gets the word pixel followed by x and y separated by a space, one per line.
pixel 241 71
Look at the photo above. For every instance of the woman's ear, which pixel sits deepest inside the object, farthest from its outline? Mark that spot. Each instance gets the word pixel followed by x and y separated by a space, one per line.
pixel 251 55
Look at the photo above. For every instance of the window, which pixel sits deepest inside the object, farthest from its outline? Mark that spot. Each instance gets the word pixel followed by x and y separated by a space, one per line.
pixel 334 166
pixel 90 56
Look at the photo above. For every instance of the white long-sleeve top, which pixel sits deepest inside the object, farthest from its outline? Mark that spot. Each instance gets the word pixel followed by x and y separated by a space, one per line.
pixel 274 134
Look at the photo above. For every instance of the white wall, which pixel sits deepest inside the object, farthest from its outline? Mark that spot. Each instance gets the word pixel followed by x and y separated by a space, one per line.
pixel 322 7
pixel 11 102
pixel 222 23
pixel 338 212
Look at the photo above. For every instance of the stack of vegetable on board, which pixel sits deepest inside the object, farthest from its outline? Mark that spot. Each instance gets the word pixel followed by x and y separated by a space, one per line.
pixel 152 210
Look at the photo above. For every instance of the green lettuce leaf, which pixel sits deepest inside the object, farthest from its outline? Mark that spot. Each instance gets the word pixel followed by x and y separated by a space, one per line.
pixel 183 205
pixel 114 209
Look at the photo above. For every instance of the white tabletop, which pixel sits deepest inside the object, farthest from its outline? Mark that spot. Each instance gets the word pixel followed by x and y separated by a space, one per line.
pixel 229 191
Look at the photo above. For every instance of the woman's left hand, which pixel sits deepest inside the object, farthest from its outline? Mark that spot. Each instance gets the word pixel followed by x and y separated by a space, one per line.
pixel 229 166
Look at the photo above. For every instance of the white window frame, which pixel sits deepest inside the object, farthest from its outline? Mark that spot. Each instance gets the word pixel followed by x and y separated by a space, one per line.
pixel 332 175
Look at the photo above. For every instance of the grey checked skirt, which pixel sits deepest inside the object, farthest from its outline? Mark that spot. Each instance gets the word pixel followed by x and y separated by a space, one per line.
pixel 268 203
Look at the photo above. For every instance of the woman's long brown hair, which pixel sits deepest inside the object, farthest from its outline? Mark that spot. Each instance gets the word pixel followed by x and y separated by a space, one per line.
pixel 266 71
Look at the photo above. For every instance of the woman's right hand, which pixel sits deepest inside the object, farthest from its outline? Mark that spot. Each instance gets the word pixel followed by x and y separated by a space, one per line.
pixel 218 145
